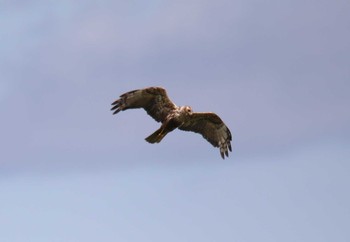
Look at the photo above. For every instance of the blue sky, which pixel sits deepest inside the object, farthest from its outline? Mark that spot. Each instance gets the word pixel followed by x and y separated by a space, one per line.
pixel 276 72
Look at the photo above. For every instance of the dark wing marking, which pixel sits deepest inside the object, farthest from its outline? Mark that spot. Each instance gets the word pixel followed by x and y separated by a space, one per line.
pixel 153 99
pixel 212 128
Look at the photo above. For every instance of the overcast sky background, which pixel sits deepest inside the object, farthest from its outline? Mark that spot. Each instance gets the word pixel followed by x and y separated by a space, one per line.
pixel 277 72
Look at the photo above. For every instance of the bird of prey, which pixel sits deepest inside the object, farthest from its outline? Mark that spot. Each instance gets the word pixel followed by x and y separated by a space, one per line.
pixel 155 101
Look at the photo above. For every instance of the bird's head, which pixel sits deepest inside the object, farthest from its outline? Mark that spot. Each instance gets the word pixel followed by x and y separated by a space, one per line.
pixel 186 110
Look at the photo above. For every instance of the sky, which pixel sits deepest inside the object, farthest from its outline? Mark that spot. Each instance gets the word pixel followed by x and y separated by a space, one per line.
pixel 276 72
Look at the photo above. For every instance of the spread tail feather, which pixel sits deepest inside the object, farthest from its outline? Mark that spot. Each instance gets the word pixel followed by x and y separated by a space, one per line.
pixel 157 136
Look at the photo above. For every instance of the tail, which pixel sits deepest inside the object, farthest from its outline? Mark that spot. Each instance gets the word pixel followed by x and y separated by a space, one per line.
pixel 157 136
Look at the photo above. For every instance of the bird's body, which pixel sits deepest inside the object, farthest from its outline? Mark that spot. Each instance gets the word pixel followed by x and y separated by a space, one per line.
pixel 173 120
pixel 157 104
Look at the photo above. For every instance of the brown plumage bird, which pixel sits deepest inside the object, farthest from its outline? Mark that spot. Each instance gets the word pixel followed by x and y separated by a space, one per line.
pixel 158 105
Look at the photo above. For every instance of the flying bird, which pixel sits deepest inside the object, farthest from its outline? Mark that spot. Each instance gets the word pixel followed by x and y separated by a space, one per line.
pixel 155 101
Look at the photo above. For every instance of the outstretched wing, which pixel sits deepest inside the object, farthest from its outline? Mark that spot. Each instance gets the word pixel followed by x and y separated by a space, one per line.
pixel 212 128
pixel 153 99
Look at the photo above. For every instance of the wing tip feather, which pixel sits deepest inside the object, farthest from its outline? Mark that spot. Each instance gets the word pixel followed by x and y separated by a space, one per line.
pixel 115 102
pixel 222 155
pixel 116 111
